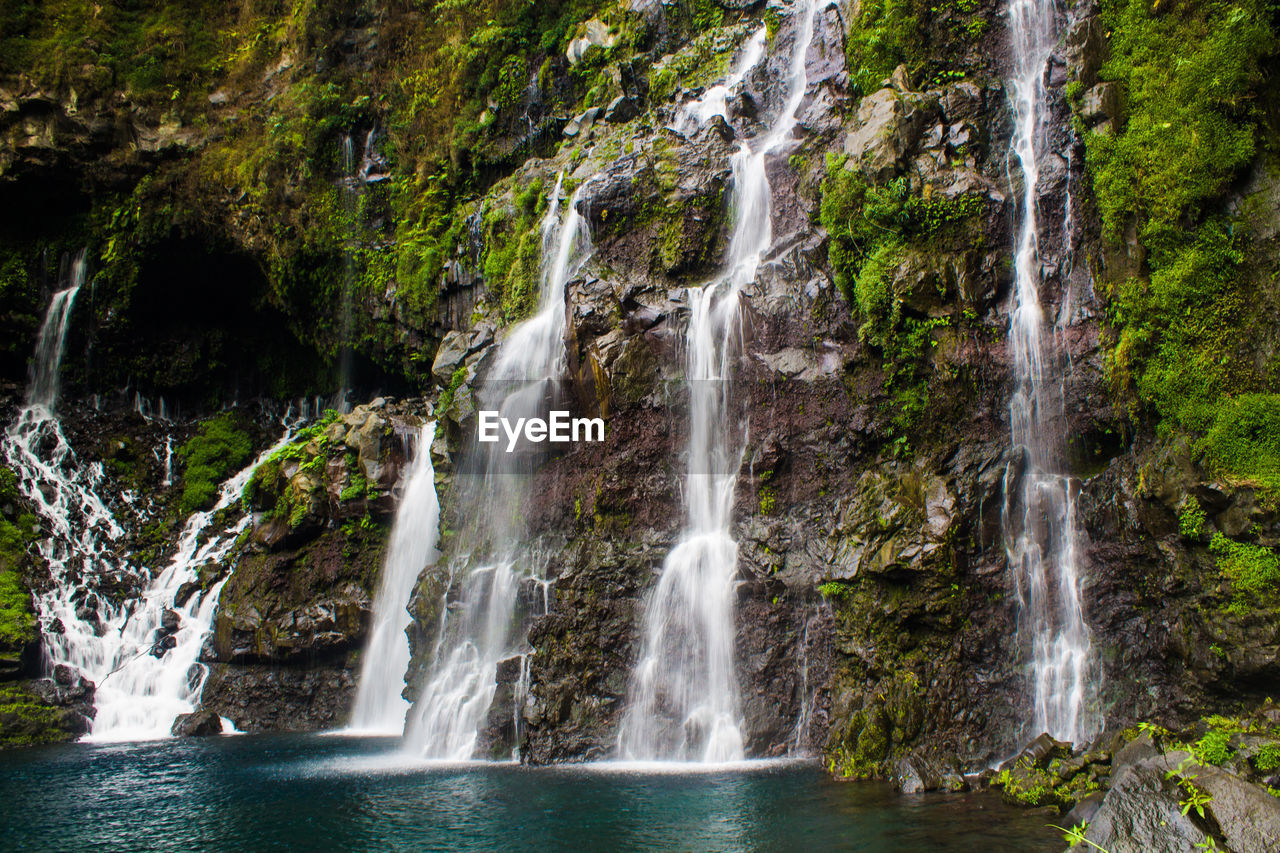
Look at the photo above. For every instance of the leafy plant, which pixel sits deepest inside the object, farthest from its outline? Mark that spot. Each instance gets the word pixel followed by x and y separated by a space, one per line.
pixel 1075 836
pixel 1215 747
pixel 1191 76
pixel 1267 759
pixel 1254 571
pixel 1194 798
pixel 1191 518
pixel 221 446
pixel 835 591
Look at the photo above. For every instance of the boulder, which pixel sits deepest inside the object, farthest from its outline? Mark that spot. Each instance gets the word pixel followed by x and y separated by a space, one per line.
pixel 597 35
pixel 1247 816
pixel 582 122
pixel 1103 102
pixel 1086 48
pixel 366 440
pixel 184 593
pixel 621 109
pixel 1137 750
pixel 879 138
pixel 197 724
pixel 1143 809
pixel 917 774
pixel 449 357
pixel 1142 812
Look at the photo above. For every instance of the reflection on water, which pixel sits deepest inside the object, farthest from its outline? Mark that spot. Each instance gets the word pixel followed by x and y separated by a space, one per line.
pixel 307 792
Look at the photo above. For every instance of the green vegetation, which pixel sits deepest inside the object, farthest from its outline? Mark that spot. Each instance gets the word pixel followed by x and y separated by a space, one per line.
pixel 919 35
pixel 1190 71
pixel 1191 75
pixel 1268 758
pixel 445 401
pixel 835 591
pixel 1075 836
pixel 873 736
pixel 443 86
pixel 359 487
pixel 221 447
pixel 513 252
pixel 1215 747
pixel 871 229
pixel 1029 785
pixel 1191 518
pixel 886 34
pixel 160 53
pixel 703 62
pixel 17 619
pixel 291 485
pixel 1254 572
pixel 1244 440
pixel 26 720
pixel 1194 798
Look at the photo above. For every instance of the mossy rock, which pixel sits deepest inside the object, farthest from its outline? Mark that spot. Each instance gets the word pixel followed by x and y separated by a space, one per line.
pixel 26 719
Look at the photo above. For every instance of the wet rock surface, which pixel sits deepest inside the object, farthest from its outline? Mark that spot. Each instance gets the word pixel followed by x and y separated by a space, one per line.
pixel 295 611
pixel 877 619
pixel 202 723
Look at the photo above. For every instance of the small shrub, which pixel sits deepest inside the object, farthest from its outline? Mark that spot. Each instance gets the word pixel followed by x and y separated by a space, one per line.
pixel 1254 572
pixel 446 396
pixel 1268 758
pixel 1191 518
pixel 1244 441
pixel 1215 747
pixel 835 591
pixel 17 621
pixel 221 446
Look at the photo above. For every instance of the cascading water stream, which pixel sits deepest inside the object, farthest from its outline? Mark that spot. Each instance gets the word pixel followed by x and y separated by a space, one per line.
pixel 715 101
pixel 52 339
pixel 141 655
pixel 1041 535
pixel 82 531
pixel 684 703
pixel 481 623
pixel 145 683
pixel 380 708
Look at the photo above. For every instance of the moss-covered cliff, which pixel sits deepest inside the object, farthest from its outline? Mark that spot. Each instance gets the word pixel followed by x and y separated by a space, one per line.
pixel 246 175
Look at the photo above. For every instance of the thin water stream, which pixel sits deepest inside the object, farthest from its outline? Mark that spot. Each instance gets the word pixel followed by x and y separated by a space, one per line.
pixel 482 623
pixel 1042 537
pixel 683 702
pixel 380 707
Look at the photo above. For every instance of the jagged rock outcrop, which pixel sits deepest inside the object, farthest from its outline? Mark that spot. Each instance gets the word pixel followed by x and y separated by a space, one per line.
pixel 296 607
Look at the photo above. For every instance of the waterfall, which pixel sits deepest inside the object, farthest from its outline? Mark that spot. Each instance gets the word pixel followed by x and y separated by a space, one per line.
pixel 146 664
pixel 80 548
pixel 52 339
pixel 715 101
pixel 379 707
pixel 142 654
pixel 684 703
pixel 481 623
pixel 351 212
pixel 1041 534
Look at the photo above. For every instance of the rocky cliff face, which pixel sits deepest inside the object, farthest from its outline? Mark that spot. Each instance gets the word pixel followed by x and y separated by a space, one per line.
pixel 876 615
